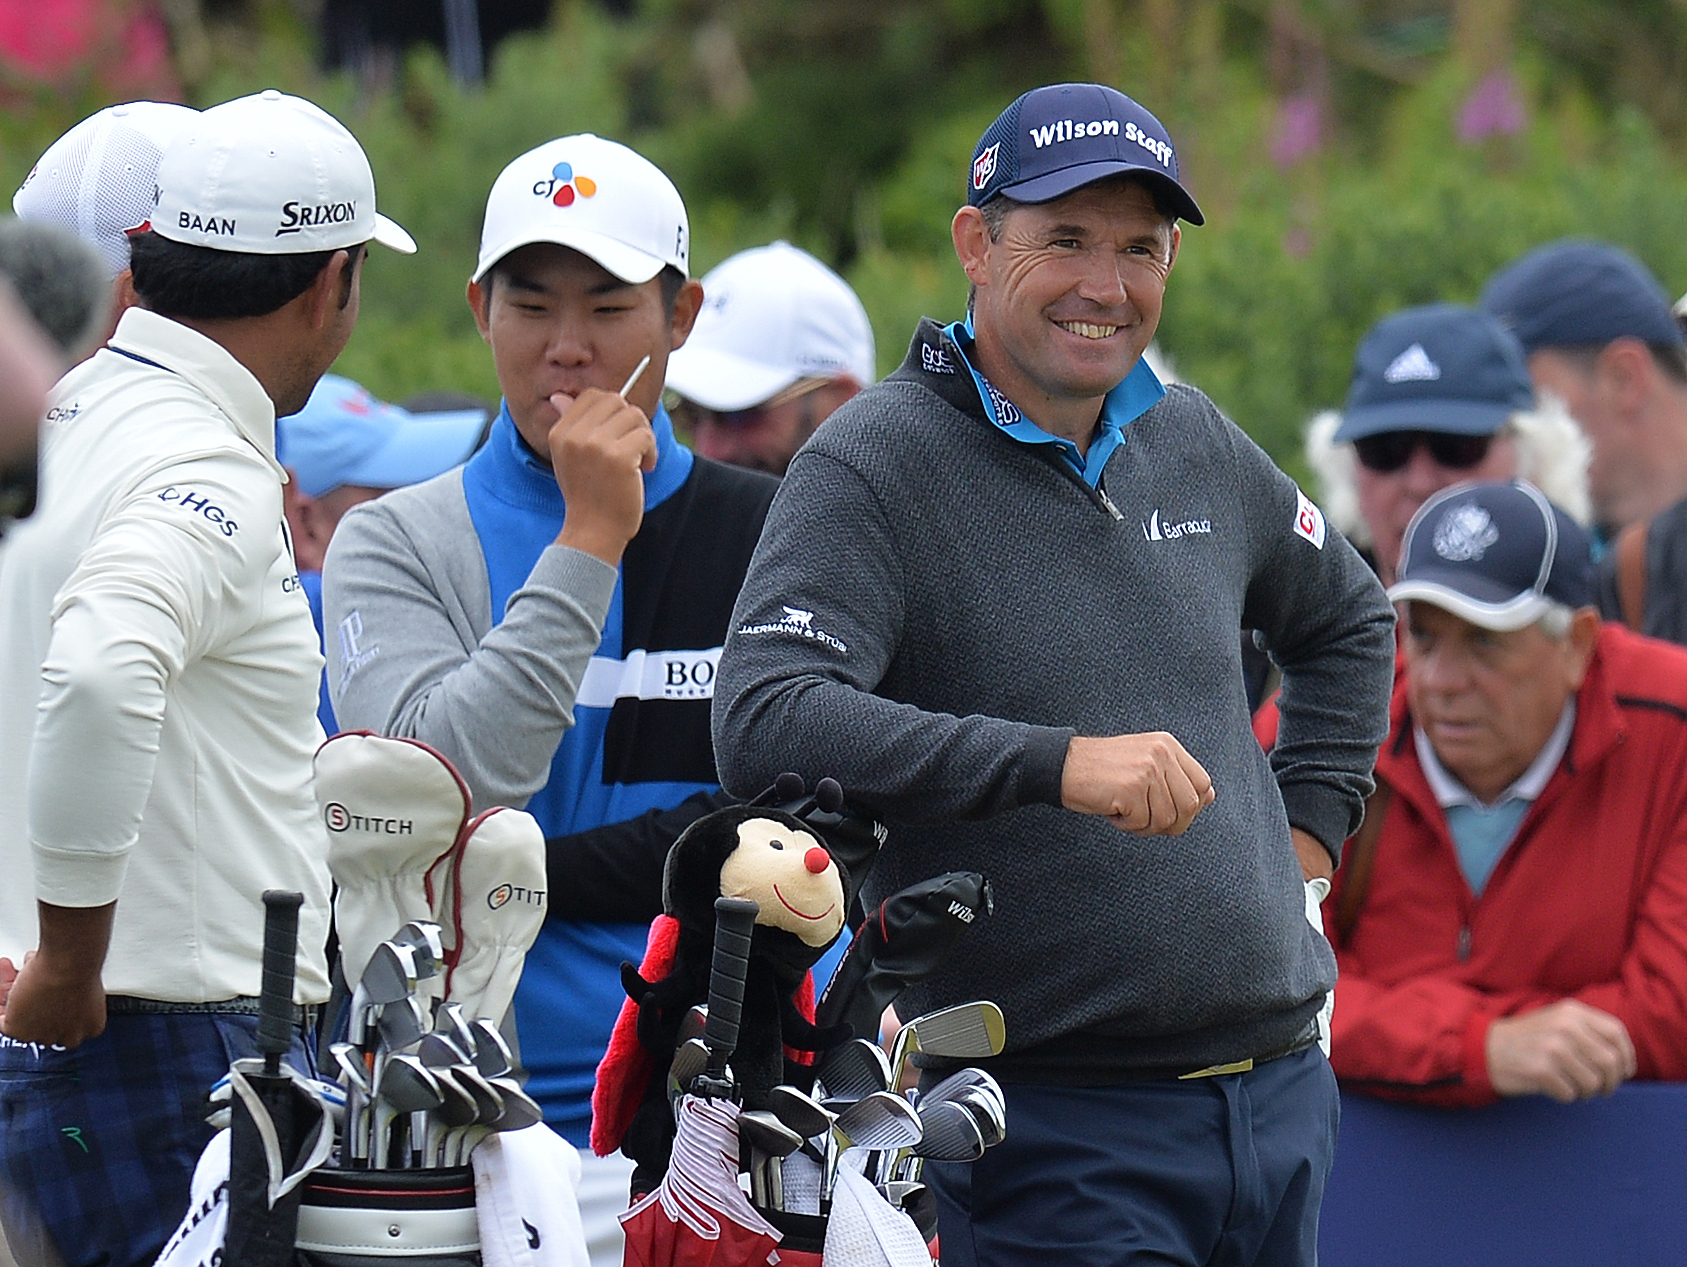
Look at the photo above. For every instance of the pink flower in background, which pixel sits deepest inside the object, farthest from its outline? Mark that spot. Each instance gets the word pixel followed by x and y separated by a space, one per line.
pixel 123 42
pixel 1298 130
pixel 1494 108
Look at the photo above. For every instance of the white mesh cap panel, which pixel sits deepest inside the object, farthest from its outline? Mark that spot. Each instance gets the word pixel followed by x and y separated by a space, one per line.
pixel 99 180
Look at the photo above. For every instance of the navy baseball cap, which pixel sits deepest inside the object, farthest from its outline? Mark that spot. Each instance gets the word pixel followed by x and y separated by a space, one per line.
pixel 1443 367
pixel 344 435
pixel 1580 293
pixel 1497 555
pixel 1055 139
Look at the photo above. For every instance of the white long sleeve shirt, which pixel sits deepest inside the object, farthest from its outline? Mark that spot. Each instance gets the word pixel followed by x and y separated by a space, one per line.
pixel 160 669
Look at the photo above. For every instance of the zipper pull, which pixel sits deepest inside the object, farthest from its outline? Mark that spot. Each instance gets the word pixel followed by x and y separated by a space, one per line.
pixel 1108 502
pixel 1464 943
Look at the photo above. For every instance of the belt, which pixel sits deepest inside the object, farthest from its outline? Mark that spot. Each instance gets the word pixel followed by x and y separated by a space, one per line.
pixel 1243 1066
pixel 128 1005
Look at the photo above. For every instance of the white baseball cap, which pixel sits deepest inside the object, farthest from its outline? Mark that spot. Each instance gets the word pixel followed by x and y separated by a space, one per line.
pixel 99 179
pixel 597 197
pixel 270 175
pixel 771 315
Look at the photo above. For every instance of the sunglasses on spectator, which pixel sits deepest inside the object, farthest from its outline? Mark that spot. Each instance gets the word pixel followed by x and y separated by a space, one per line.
pixel 1391 450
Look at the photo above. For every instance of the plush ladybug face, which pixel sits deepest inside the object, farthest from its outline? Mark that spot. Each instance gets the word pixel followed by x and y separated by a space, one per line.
pixel 787 873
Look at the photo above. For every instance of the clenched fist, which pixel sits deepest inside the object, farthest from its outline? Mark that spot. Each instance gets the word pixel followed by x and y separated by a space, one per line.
pixel 1148 784
pixel 600 448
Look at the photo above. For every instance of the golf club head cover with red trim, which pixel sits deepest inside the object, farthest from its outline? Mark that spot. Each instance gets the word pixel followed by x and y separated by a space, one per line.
pixel 494 901
pixel 392 807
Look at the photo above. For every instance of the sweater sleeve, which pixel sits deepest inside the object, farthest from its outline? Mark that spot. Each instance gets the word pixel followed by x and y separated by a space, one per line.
pixel 151 592
pixel 1330 628
pixel 814 631
pixel 401 665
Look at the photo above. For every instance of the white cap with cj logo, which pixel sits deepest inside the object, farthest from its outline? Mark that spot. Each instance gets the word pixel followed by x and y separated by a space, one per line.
pixel 595 196
pixel 270 174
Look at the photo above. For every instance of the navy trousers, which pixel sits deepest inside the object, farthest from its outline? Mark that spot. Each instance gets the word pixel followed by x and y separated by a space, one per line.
pixel 98 1143
pixel 1226 1171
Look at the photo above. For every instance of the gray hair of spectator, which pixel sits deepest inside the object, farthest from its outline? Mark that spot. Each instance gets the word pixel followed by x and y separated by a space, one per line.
pixel 1552 454
pixel 61 281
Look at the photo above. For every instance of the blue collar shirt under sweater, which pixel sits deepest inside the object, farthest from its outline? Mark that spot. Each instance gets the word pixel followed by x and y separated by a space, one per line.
pixel 570 990
pixel 1137 393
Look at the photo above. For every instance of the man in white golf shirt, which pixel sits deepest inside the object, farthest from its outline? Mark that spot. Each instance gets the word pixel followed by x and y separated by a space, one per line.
pixel 158 721
pixel 781 342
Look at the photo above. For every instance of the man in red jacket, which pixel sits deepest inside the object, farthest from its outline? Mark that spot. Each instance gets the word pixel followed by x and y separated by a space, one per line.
pixel 1512 918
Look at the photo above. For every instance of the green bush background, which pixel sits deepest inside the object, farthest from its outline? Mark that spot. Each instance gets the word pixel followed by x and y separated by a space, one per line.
pixel 852 131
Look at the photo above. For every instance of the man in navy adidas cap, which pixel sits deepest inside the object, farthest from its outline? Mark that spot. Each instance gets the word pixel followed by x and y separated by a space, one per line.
pixel 1434 391
pixel 1063 710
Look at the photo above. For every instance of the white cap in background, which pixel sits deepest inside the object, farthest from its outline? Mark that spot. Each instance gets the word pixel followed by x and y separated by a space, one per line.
pixel 771 315
pixel 270 175
pixel 99 179
pixel 597 197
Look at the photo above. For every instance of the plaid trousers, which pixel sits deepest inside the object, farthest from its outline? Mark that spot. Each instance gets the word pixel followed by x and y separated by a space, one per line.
pixel 98 1143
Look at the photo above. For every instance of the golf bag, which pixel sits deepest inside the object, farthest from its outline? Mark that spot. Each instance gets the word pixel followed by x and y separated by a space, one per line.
pixel 369 1218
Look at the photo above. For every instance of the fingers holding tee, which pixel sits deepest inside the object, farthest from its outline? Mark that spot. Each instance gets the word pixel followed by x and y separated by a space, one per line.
pixel 600 449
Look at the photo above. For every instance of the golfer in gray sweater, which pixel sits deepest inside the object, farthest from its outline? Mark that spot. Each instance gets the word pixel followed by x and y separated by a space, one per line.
pixel 998 598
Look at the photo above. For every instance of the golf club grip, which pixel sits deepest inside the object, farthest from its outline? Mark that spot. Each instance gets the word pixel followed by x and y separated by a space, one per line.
pixel 735 921
pixel 281 950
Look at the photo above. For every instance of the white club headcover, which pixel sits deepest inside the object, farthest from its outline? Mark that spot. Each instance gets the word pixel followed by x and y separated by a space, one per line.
pixel 495 903
pixel 392 807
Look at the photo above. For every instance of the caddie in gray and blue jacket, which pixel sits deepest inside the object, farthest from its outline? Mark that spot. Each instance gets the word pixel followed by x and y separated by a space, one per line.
pixel 998 597
pixel 550 615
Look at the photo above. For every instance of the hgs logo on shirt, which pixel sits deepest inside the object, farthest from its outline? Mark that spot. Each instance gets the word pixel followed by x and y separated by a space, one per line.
pixel 189 500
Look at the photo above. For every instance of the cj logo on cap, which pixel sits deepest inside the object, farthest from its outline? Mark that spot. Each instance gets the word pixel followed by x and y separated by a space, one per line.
pixel 564 186
pixel 984 166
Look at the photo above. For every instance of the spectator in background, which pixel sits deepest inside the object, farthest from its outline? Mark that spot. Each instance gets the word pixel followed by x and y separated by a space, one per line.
pixel 99 180
pixel 61 283
pixel 1511 919
pixel 1600 335
pixel 1440 395
pixel 28 367
pixel 345 447
pixel 781 342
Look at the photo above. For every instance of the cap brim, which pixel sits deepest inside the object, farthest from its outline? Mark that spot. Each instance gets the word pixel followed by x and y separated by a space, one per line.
pixel 1057 184
pixel 423 446
pixel 1518 612
pixel 390 234
pixel 628 263
pixel 724 382
pixel 1454 417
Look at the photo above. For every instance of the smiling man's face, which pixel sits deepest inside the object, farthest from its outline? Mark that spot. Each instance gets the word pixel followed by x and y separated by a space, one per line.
pixel 1069 294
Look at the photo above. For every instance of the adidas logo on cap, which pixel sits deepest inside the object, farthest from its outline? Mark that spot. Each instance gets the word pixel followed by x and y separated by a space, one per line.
pixel 1412 366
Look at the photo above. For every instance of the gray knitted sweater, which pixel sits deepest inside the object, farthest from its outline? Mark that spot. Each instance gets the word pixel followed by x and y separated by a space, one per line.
pixel 935 609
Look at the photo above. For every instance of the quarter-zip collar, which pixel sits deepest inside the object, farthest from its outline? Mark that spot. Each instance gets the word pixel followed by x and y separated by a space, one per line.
pixel 1135 395
pixel 209 367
